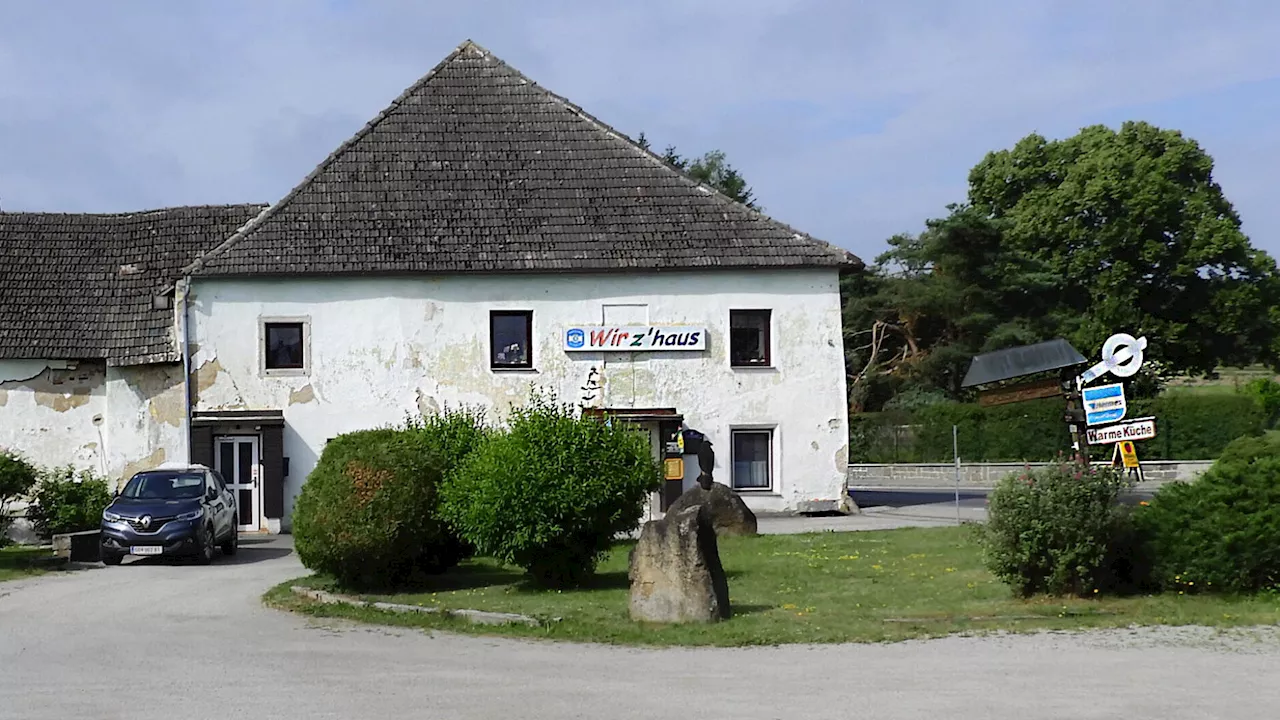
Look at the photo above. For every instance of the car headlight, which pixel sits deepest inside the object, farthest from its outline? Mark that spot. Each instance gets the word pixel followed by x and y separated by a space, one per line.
pixel 193 515
pixel 110 516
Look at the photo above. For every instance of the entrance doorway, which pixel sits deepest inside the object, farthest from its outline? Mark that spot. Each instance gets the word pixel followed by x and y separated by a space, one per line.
pixel 662 425
pixel 238 459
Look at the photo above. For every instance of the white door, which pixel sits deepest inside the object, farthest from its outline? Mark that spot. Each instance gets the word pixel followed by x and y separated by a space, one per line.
pixel 237 459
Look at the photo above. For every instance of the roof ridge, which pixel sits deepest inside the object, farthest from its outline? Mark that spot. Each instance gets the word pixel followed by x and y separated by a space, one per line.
pixel 129 213
pixel 368 127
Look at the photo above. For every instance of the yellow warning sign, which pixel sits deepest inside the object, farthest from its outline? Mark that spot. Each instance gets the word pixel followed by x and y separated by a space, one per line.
pixel 673 468
pixel 1128 453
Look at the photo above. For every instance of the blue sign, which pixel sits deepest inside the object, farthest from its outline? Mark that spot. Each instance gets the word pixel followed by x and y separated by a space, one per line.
pixel 1104 404
pixel 575 338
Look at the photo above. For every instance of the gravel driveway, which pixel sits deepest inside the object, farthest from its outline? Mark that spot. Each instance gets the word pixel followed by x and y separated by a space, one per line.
pixel 153 640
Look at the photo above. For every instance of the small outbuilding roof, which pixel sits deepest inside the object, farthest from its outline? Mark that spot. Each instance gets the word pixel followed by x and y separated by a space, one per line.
pixel 1019 361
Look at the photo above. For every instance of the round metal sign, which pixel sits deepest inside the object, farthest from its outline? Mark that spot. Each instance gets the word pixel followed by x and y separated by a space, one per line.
pixel 1122 354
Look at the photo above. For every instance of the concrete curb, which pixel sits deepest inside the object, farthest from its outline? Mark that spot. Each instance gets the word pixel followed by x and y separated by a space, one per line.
pixel 476 617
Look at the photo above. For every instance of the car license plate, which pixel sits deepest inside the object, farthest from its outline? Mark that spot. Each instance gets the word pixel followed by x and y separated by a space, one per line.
pixel 146 549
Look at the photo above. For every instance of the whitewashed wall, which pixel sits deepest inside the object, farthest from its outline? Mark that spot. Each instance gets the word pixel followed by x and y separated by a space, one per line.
pixel 381 348
pixel 47 411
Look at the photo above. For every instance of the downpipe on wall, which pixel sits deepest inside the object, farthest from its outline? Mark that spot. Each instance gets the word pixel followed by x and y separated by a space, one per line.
pixel 181 289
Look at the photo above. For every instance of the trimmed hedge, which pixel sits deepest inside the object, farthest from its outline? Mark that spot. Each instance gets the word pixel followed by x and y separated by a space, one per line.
pixel 1221 532
pixel 1191 427
pixel 367 514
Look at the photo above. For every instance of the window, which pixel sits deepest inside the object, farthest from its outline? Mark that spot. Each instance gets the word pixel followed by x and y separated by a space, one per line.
pixel 749 338
pixel 284 346
pixel 510 339
pixel 752 459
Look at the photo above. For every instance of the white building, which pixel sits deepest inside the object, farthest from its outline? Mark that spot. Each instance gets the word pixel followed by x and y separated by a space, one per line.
pixel 481 236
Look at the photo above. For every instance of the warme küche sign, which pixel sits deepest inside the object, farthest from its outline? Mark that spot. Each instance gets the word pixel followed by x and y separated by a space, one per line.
pixel 1140 429
pixel 634 338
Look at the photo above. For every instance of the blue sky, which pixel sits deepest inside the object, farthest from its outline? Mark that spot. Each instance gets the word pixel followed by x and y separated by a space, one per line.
pixel 853 120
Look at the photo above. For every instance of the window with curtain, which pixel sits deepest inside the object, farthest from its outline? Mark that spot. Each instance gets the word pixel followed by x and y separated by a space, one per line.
pixel 752 459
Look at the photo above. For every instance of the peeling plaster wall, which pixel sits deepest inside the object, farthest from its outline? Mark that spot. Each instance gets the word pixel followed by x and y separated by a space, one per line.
pixel 47 411
pixel 146 423
pixel 381 348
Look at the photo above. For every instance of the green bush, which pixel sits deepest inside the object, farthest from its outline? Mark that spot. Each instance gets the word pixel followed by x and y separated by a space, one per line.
pixel 1060 530
pixel 1250 448
pixel 66 500
pixel 453 432
pixel 17 477
pixel 368 513
pixel 1266 392
pixel 1221 532
pixel 552 493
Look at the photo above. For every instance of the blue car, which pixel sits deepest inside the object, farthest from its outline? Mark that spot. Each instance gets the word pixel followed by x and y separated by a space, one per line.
pixel 184 510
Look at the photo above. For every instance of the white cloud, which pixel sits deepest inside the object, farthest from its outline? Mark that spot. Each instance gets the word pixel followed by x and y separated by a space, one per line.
pixel 852 120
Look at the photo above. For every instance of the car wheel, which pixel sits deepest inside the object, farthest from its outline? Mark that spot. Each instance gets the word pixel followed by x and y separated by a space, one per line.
pixel 206 546
pixel 111 559
pixel 232 544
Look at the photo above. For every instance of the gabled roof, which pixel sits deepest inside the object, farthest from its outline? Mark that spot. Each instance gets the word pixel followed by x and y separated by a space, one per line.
pixel 475 168
pixel 81 285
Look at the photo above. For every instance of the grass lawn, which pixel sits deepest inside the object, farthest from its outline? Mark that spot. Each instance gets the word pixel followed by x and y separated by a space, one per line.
pixel 1229 380
pixel 18 562
pixel 815 588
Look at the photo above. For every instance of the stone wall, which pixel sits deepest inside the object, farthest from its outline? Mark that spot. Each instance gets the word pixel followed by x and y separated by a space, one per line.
pixel 979 476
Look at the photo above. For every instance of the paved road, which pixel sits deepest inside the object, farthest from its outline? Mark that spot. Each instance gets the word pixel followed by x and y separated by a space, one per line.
pixel 149 640
pixel 974 497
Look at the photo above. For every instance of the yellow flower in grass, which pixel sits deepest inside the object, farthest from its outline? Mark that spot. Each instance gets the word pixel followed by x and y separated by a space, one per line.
pixel 789 606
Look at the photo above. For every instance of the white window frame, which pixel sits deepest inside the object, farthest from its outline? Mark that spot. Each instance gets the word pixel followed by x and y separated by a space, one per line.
pixel 774 465
pixel 303 371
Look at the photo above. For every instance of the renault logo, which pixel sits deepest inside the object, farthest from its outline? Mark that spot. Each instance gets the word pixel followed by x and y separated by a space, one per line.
pixel 145 521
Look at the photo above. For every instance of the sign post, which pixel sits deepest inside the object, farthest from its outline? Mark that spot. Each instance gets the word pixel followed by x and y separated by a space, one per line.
pixel 1075 417
pixel 955 448
pixel 1121 357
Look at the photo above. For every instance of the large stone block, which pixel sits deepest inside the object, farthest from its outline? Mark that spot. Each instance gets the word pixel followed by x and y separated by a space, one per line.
pixel 676 575
pixel 729 514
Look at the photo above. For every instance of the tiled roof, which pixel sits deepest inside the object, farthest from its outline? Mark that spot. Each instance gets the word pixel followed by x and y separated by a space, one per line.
pixel 475 168
pixel 81 285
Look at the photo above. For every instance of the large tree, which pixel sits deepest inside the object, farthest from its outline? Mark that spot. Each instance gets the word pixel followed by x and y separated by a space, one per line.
pixel 1142 240
pixel 711 168
pixel 936 299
